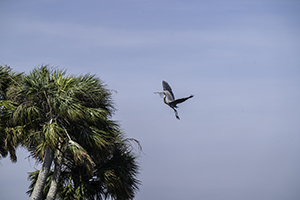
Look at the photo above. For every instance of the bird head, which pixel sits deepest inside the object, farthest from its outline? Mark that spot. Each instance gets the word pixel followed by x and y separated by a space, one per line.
pixel 161 94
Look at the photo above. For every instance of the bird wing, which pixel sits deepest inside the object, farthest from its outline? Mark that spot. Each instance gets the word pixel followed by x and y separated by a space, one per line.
pixel 180 100
pixel 168 91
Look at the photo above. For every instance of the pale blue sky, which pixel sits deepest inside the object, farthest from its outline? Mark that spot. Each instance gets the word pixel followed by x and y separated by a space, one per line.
pixel 238 138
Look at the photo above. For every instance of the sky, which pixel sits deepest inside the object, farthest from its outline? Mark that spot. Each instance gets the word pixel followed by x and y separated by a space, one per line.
pixel 238 137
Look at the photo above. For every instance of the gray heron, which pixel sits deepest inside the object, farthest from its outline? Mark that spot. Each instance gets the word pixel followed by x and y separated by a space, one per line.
pixel 169 97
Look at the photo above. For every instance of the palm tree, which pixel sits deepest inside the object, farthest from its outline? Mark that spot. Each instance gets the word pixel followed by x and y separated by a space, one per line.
pixel 8 134
pixel 114 177
pixel 62 117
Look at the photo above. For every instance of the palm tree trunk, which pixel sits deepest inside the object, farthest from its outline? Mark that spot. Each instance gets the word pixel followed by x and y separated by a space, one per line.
pixel 40 183
pixel 56 175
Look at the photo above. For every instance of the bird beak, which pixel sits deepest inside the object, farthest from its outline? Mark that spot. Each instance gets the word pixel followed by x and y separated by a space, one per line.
pixel 161 94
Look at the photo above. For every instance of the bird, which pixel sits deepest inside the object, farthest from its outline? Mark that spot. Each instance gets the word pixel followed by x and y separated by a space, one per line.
pixel 169 97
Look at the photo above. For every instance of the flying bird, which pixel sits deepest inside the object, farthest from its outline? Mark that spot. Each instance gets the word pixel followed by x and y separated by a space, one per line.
pixel 169 97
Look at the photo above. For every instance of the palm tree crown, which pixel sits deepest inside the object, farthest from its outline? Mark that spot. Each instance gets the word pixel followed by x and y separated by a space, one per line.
pixel 66 119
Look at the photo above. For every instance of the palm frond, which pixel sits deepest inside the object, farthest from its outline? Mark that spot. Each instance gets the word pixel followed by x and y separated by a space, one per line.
pixel 80 155
pixel 52 133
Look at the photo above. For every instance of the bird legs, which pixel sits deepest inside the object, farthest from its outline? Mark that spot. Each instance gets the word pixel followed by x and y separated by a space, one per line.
pixel 176 113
